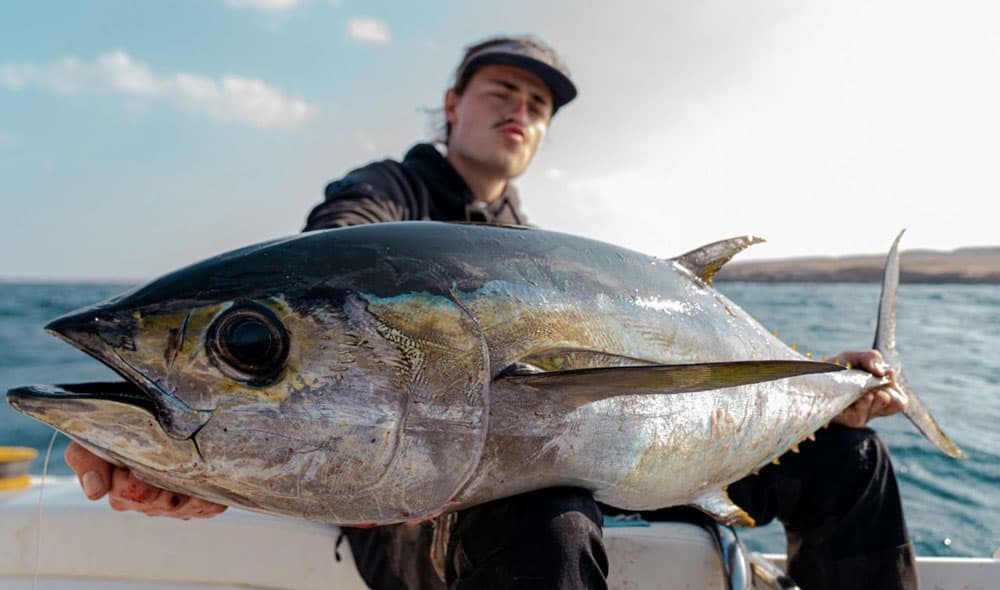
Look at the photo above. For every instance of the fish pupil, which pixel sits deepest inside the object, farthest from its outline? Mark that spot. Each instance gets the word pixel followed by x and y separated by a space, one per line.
pixel 250 342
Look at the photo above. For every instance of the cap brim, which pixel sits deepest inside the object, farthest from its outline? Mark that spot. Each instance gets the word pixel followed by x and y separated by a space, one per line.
pixel 563 90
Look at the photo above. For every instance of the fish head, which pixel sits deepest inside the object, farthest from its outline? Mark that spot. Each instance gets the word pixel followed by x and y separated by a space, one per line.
pixel 253 380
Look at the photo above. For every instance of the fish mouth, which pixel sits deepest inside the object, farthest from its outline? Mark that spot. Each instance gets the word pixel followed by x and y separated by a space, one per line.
pixel 122 392
pixel 100 333
pixel 178 423
pixel 116 420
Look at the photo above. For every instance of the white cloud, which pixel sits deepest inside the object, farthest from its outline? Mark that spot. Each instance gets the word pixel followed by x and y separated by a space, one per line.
pixel 369 30
pixel 253 100
pixel 228 99
pixel 266 5
pixel 127 76
pixel 65 76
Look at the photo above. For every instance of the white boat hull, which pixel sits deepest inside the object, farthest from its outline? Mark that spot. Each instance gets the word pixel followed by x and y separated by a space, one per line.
pixel 85 546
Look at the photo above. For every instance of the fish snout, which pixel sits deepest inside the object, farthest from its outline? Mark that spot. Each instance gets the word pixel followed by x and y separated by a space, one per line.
pixel 109 335
pixel 95 331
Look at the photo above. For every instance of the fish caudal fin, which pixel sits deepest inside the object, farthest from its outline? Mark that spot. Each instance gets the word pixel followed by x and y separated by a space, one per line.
pixel 885 343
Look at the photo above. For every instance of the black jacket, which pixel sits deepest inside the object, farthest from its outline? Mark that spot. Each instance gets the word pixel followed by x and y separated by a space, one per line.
pixel 424 186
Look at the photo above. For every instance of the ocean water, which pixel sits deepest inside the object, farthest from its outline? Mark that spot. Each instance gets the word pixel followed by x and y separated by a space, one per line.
pixel 948 337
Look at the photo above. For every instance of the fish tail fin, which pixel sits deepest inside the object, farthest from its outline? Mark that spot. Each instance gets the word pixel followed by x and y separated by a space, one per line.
pixel 885 343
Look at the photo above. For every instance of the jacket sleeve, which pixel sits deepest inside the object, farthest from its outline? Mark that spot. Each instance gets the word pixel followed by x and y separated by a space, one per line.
pixel 371 194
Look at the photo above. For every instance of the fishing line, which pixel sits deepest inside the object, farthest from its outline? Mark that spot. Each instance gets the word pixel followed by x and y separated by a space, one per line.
pixel 38 522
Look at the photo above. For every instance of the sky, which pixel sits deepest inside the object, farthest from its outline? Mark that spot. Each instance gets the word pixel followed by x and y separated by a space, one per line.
pixel 139 137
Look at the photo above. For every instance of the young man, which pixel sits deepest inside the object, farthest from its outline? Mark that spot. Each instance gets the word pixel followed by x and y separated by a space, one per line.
pixel 837 499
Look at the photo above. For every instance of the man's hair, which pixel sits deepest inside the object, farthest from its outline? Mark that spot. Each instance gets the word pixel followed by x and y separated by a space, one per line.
pixel 462 74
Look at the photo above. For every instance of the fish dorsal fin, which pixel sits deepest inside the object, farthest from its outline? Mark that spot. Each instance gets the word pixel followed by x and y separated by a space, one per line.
pixel 707 260
pixel 581 386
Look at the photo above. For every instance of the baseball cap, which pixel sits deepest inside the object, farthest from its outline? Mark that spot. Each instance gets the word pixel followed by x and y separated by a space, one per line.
pixel 527 53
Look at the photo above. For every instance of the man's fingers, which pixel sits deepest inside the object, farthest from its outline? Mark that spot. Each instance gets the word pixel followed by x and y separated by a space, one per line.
pixel 198 508
pixel 860 413
pixel 889 401
pixel 172 504
pixel 857 414
pixel 168 502
pixel 127 492
pixel 868 360
pixel 182 506
pixel 882 401
pixel 127 487
pixel 879 400
pixel 93 472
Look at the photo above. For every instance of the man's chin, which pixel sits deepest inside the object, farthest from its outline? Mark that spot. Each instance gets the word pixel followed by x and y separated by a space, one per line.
pixel 501 163
pixel 513 166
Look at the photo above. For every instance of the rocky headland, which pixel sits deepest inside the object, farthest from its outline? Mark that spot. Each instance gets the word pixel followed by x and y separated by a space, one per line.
pixel 979 265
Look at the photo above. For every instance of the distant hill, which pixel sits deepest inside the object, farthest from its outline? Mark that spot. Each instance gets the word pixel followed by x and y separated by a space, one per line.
pixel 965 265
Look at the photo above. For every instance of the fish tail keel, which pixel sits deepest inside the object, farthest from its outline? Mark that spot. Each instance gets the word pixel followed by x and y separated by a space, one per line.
pixel 717 504
pixel 885 343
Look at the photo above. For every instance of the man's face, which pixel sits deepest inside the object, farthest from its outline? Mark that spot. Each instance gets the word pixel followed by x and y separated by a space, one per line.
pixel 499 120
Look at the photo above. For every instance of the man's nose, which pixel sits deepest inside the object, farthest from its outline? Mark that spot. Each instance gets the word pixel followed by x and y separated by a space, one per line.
pixel 520 111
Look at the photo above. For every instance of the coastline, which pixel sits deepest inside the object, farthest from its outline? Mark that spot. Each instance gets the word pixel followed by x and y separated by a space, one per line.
pixel 976 266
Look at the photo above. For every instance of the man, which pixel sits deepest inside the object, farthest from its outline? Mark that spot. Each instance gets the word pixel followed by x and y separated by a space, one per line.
pixel 838 498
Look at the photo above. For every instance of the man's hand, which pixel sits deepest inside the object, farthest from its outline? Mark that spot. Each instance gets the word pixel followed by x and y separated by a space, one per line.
pixel 881 401
pixel 127 492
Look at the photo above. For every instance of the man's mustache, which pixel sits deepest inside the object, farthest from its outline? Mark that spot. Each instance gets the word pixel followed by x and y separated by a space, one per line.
pixel 508 121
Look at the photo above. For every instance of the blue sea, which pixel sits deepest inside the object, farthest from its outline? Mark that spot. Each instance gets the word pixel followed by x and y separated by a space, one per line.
pixel 948 337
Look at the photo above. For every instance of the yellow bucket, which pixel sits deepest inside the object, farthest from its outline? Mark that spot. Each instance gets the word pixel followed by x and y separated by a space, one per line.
pixel 14 465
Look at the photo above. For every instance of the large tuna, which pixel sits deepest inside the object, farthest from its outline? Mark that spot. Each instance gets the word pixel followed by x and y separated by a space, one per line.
pixel 393 372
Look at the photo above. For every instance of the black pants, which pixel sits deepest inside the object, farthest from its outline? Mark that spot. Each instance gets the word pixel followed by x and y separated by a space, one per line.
pixel 838 500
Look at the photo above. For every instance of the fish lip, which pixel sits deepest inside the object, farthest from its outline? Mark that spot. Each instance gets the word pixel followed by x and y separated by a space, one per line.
pixel 123 392
pixel 179 420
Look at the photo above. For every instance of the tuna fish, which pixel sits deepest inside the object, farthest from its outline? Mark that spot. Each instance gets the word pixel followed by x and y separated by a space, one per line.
pixel 394 372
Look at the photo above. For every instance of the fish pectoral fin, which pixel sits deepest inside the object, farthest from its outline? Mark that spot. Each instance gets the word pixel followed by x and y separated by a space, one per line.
pixel 719 506
pixel 707 260
pixel 582 386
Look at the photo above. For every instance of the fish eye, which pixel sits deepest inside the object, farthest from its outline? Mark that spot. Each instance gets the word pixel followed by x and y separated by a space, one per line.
pixel 248 343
